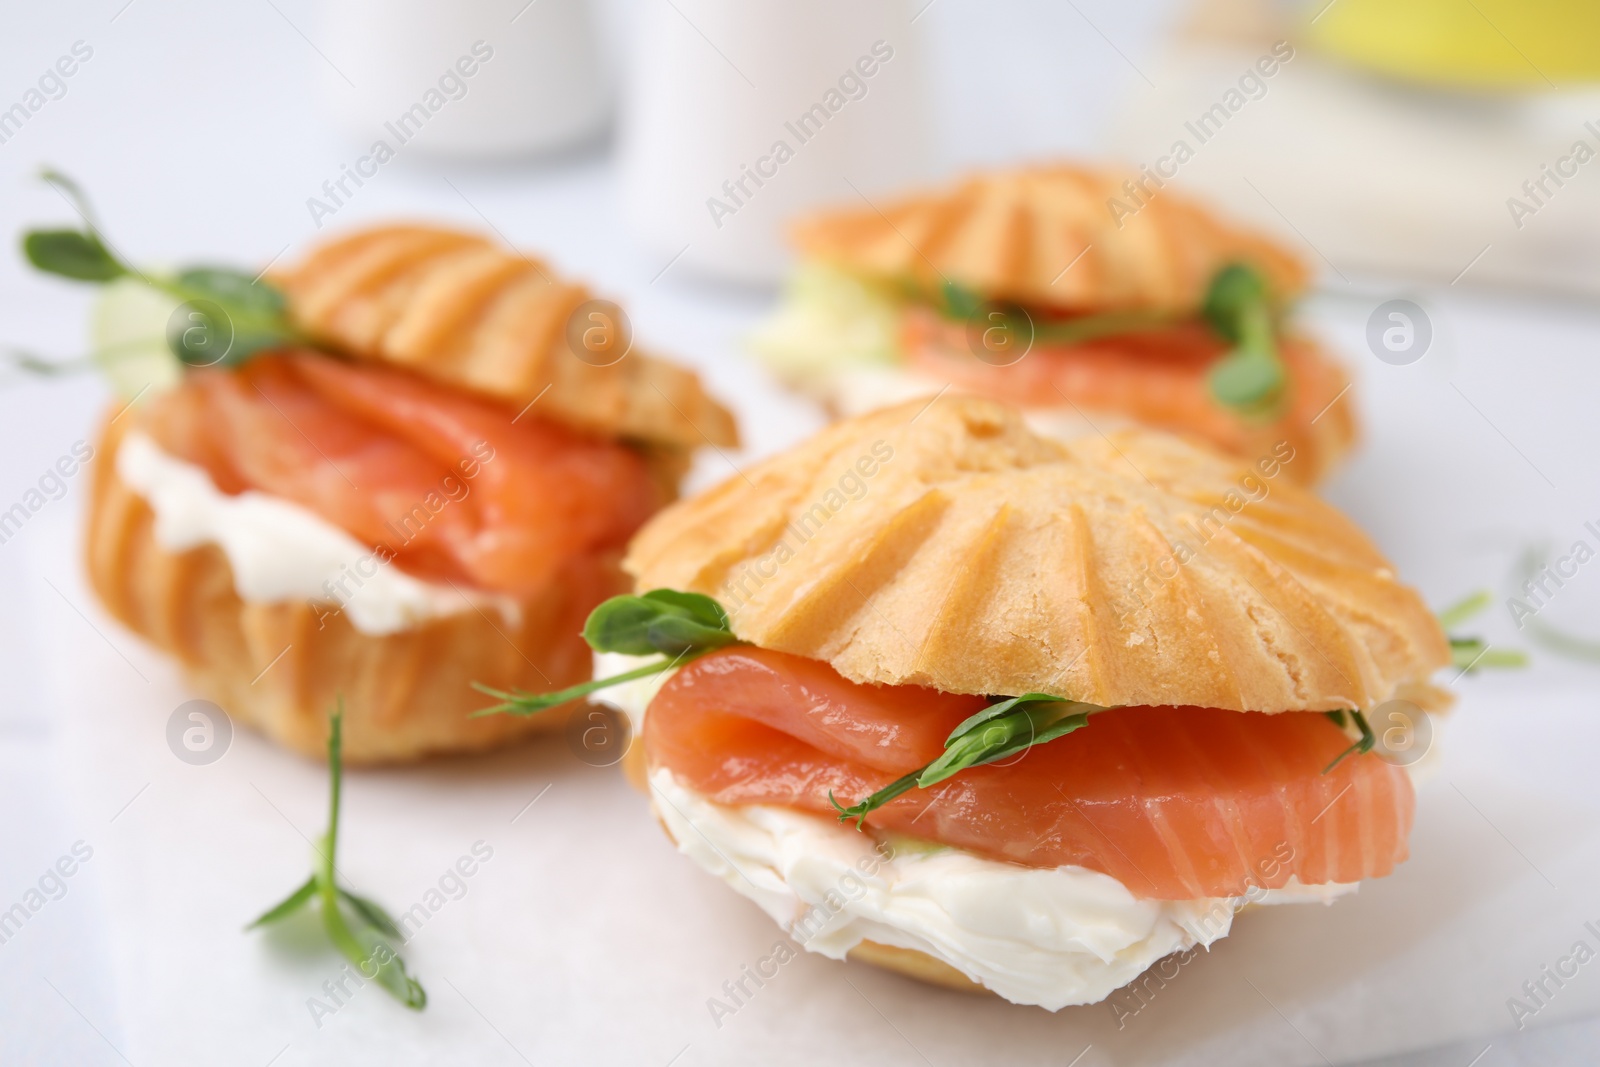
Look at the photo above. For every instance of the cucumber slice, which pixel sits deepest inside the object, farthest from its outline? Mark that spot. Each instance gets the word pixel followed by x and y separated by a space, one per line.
pixel 829 321
pixel 128 335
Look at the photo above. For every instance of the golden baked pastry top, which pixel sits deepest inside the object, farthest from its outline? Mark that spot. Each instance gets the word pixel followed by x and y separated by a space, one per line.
pixel 948 545
pixel 466 311
pixel 1013 235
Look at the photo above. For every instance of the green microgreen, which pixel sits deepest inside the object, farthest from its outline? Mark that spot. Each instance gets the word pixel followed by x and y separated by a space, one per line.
pixel 78 254
pixel 1108 324
pixel 1343 719
pixel 35 365
pixel 224 315
pixel 679 626
pixel 1000 730
pixel 1464 609
pixel 1470 654
pixel 957 301
pixel 362 936
pixel 961 304
pixel 1238 306
pixel 662 620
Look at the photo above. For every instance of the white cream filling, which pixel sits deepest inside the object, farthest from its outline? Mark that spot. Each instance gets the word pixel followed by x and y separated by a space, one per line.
pixel 281 551
pixel 1046 936
pixel 630 698
pixel 1051 937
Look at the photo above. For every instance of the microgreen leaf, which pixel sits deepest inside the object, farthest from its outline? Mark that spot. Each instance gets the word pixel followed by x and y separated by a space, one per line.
pixel 696 605
pixel 998 708
pixel 622 624
pixel 371 955
pixel 1245 378
pixel 1472 654
pixel 365 947
pixel 959 302
pixel 1030 720
pixel 1235 290
pixel 226 315
pixel 206 333
pixel 371 913
pixel 74 254
pixel 998 739
pixel 519 703
pixel 1342 718
pixel 288 905
pixel 1251 376
pixel 77 254
pixel 662 620
pixel 1464 609
pixel 681 626
pixel 998 732
pixel 234 288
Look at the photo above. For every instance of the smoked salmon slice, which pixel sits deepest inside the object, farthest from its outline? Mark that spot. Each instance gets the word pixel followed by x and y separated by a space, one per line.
pixel 1175 803
pixel 1156 377
pixel 451 486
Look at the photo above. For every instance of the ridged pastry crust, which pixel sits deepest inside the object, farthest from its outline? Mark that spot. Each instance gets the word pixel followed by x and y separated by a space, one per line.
pixel 466 311
pixel 982 558
pixel 1012 235
pixel 406 695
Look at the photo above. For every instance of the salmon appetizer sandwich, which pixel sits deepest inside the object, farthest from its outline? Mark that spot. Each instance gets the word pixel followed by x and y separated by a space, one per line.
pixel 378 476
pixel 1089 298
pixel 1007 713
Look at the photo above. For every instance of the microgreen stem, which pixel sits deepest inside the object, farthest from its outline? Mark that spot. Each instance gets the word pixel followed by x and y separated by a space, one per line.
pixel 1003 729
pixel 1464 609
pixel 362 943
pixel 330 840
pixel 680 626
pixel 1093 327
pixel 1368 738
pixel 532 703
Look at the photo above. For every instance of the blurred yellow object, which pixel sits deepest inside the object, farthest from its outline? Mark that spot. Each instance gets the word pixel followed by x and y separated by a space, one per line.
pixel 1493 44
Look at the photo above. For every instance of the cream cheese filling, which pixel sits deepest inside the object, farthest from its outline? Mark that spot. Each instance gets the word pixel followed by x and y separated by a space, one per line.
pixel 1051 937
pixel 1046 936
pixel 279 551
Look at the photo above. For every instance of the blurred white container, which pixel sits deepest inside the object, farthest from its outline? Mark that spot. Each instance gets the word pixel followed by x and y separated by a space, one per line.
pixel 536 81
pixel 738 116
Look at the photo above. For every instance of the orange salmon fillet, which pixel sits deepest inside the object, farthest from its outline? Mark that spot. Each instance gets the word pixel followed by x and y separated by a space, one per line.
pixel 444 482
pixel 1156 378
pixel 1175 803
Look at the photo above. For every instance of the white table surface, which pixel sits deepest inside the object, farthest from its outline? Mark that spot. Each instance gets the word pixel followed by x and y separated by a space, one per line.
pixel 197 129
